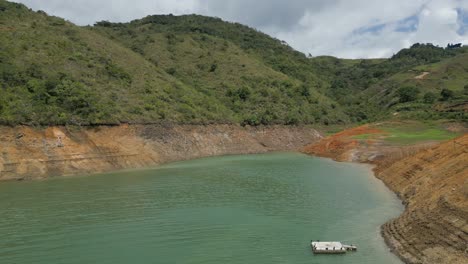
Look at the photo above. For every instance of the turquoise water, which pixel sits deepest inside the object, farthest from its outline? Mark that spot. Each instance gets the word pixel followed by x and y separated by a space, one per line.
pixel 233 209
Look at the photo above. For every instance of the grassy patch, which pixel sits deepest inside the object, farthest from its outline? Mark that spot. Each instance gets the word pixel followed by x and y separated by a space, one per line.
pixel 366 136
pixel 432 134
pixel 410 133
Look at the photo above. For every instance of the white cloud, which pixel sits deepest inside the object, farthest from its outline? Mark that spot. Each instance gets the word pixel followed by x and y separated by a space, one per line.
pixel 343 28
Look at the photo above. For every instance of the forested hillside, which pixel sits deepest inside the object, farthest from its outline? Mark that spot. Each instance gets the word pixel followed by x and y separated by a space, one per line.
pixel 198 70
pixel 53 72
pixel 421 82
pixel 260 79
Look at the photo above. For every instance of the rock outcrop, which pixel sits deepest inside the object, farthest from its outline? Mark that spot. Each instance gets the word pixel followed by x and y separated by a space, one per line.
pixel 433 184
pixel 34 153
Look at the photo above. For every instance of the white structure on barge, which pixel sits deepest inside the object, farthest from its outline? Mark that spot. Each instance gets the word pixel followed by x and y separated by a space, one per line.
pixel 331 247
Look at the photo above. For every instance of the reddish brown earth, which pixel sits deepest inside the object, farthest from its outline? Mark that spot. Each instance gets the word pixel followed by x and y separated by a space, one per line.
pixel 35 153
pixel 342 146
pixel 432 181
pixel 433 184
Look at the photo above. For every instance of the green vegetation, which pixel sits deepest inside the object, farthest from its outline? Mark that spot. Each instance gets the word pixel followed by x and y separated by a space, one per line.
pixel 367 136
pixel 402 137
pixel 373 90
pixel 446 94
pixel 198 70
pixel 429 97
pixel 260 79
pixel 402 133
pixel 408 94
pixel 54 72
pixel 409 135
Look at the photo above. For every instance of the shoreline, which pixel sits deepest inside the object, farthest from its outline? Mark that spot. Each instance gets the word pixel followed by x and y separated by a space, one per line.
pixel 425 178
pixel 430 180
pixel 36 153
pixel 372 166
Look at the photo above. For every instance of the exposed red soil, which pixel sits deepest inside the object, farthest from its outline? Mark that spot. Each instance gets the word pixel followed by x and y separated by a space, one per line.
pixel 339 146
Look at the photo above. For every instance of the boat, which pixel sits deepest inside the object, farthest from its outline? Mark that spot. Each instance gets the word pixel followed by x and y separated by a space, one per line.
pixel 319 247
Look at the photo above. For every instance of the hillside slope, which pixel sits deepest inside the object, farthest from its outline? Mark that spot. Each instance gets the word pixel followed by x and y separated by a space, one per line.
pixel 422 82
pixel 53 72
pixel 440 90
pixel 434 186
pixel 194 69
pixel 261 79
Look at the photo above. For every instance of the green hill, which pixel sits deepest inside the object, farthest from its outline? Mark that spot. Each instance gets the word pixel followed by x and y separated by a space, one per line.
pixel 53 72
pixel 413 84
pixel 197 70
pixel 228 61
pixel 436 90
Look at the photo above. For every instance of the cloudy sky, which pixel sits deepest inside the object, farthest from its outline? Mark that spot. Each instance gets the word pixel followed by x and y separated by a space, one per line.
pixel 343 28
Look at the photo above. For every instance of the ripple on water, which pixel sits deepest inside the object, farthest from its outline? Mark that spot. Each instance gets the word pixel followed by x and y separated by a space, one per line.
pixel 233 209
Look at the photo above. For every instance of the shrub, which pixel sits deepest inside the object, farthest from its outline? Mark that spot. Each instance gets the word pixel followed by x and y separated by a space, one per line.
pixel 408 94
pixel 103 23
pixel 446 94
pixel 251 121
pixel 429 97
pixel 293 118
pixel 213 67
pixel 116 72
pixel 171 71
pixel 242 93
pixel 304 90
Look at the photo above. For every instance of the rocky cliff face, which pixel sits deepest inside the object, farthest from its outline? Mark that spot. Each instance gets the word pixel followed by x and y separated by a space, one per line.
pixel 34 153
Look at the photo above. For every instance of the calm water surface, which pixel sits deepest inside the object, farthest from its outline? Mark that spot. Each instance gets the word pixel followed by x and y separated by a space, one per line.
pixel 234 209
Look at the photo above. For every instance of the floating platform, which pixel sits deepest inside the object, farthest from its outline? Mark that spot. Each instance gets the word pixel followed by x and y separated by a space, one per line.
pixel 331 247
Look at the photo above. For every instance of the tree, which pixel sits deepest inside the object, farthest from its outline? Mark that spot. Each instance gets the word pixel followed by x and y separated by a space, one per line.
pixel 243 93
pixel 408 94
pixel 429 97
pixel 446 94
pixel 213 67
pixel 103 23
pixel 251 120
pixel 304 90
pixel 171 71
pixel 76 98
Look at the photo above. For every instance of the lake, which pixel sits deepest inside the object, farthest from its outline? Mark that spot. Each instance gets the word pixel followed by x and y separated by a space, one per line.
pixel 232 209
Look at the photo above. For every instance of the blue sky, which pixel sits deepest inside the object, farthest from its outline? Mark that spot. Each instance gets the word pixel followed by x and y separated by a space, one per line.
pixel 463 20
pixel 342 28
pixel 409 24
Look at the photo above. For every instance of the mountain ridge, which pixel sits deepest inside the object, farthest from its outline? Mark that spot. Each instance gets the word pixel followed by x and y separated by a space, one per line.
pixel 194 69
